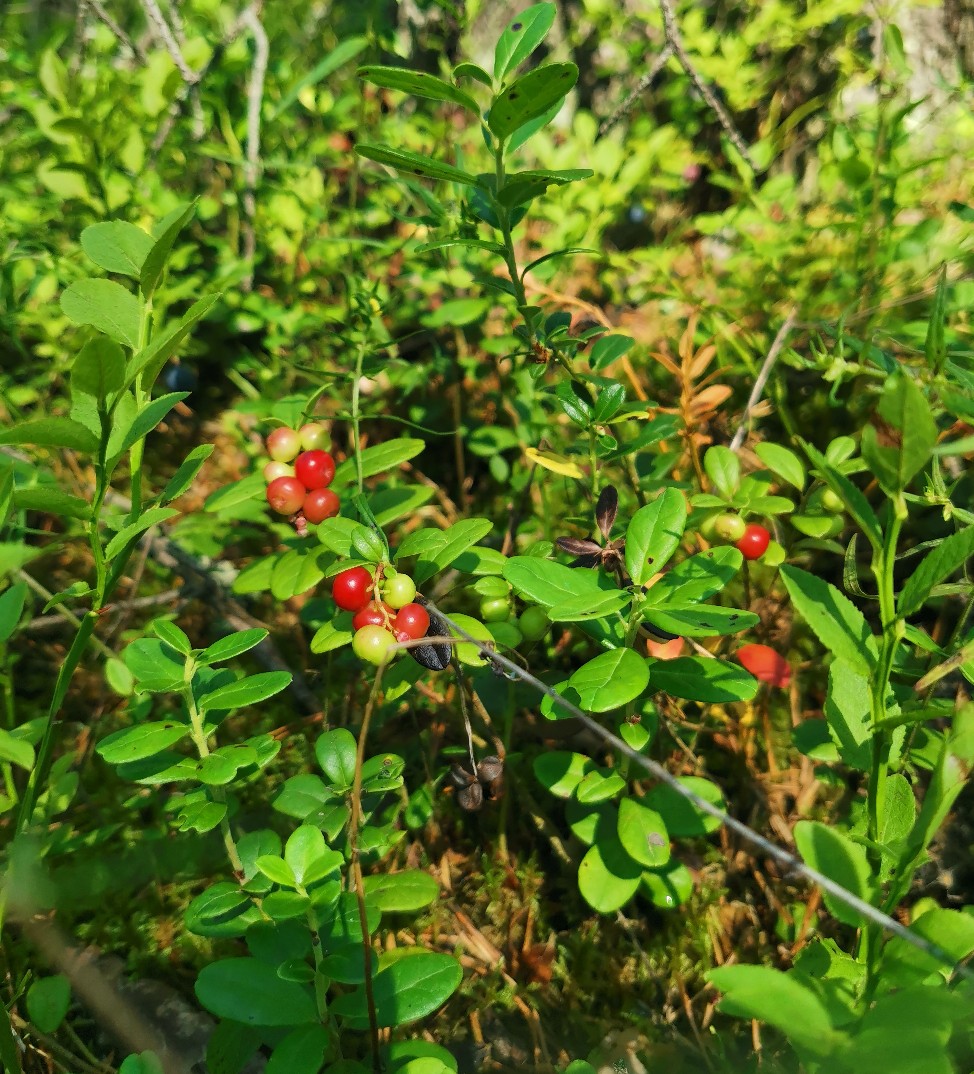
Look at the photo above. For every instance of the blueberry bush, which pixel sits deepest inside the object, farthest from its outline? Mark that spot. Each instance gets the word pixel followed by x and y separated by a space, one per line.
pixel 485 558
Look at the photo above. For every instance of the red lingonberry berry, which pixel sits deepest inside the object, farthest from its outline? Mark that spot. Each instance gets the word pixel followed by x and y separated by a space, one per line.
pixel 352 589
pixel 320 504
pixel 285 495
pixel 314 469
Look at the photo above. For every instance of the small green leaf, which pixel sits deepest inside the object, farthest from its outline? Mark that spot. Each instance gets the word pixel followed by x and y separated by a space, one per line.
pixel 247 691
pixel 835 620
pixel 909 434
pixel 530 96
pixel 172 636
pixel 250 991
pixel 144 740
pixel 304 847
pixel 724 470
pixel 232 646
pixel 147 419
pixel 116 246
pixel 782 463
pixel 408 986
pixel 697 578
pixel 643 833
pixel 610 680
pixel 521 37
pixel 682 818
pixel 419 84
pixel 336 751
pixel 561 772
pixel 699 620
pixel 156 258
pixel 544 582
pixel 16 751
pixel 401 892
pixel 654 535
pixel 456 540
pixel 52 502
pixel 151 518
pixel 855 503
pixel 330 62
pixel 607 876
pixel 833 853
pixel 51 432
pixel 333 635
pixel 48 999
pixel 149 362
pixel 416 164
pixel 98 371
pixel 377 459
pixel 698 678
pixel 11 609
pixel 186 474
pixel 949 555
pixel 107 306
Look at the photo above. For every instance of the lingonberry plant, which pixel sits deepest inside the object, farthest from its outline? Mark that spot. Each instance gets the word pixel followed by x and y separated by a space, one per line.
pixel 637 599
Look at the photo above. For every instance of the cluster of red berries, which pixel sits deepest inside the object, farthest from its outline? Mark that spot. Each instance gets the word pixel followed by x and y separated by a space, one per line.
pixel 749 538
pixel 299 473
pixel 385 613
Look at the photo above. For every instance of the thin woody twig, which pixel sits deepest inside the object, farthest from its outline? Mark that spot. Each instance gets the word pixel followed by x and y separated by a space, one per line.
pixel 655 769
pixel 190 77
pixel 674 39
pixel 98 8
pixel 641 86
pixel 762 379
pixel 255 99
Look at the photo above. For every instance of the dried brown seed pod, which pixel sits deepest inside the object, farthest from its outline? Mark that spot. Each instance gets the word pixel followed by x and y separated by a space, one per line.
pixel 470 798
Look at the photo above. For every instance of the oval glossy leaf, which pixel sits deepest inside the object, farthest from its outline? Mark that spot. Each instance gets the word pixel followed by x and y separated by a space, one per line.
pixel 152 517
pixel 682 818
pixel 697 578
pixel 668 887
pixel 411 987
pixel 302 1051
pixel 529 96
pixel 724 470
pixel 654 535
pixel 607 877
pixel 379 458
pixel 415 164
pixel 304 847
pixel 589 606
pixel 950 555
pixel 336 751
pixel 184 477
pixel 782 463
pixel 419 84
pixel 333 635
pixel 232 645
pixel 832 852
pixel 560 772
pixel 135 743
pixel 250 991
pixel 610 680
pixel 51 432
pixel 643 833
pixel 599 786
pixel 548 583
pixel 246 691
pixel 698 678
pixel 48 999
pixel 52 502
pixel 401 892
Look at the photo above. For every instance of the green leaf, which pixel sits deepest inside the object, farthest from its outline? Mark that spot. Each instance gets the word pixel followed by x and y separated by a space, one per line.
pixel 780 999
pixel 699 620
pixel 155 260
pixel 151 518
pixel 589 606
pixel 107 306
pixel 250 991
pixel 411 985
pixel 11 609
pixel 51 432
pixel 949 555
pixel 456 540
pixel 833 853
pixel 232 646
pixel 236 493
pixel 530 96
pixel 521 37
pixel 149 362
pixel 642 833
pixel 935 347
pixel 48 999
pixel 471 244
pixel 847 706
pixel 682 818
pixel 835 620
pixel 305 846
pixel 417 164
pixel 186 474
pixel 523 187
pixel 52 502
pixel 146 420
pixel 599 785
pixel 697 578
pixel 654 535
pixel 698 678
pixel 116 246
pixel 333 635
pixel 297 571
pixel 144 740
pixel 172 636
pixel 419 84
pixel 782 463
pixel 609 349
pixel 330 62
pixel 724 470
pixel 561 772
pixel 472 70
pixel 607 876
pixel 16 751
pixel 547 583
pixel 401 892
pixel 98 371
pixel 336 751
pixel 302 1051
pixel 951 930
pixel 247 691
pixel 909 434
pixel 610 680
pixel 378 459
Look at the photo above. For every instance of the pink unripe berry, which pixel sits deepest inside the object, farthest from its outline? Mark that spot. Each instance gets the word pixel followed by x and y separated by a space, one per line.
pixel 283 445
pixel 274 470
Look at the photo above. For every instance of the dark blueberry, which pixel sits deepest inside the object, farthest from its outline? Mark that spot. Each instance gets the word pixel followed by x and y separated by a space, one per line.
pixel 637 213
pixel 180 378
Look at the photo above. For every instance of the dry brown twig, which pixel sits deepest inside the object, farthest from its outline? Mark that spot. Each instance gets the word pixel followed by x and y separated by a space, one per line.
pixel 250 19
pixel 777 346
